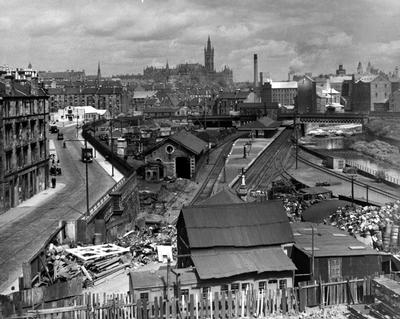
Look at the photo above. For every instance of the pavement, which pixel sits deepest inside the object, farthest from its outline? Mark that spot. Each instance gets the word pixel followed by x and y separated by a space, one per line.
pixel 25 208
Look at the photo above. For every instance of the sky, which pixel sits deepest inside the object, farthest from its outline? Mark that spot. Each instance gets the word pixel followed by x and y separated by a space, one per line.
pixel 128 35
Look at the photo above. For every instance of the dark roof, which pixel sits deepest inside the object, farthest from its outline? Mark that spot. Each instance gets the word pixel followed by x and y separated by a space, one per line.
pixel 158 278
pixel 234 95
pixel 261 124
pixel 237 225
pixel 189 141
pixel 322 210
pixel 160 110
pixel 329 241
pixel 89 90
pixel 314 190
pixel 110 90
pixel 225 196
pixel 21 90
pixel 236 261
pixel 258 105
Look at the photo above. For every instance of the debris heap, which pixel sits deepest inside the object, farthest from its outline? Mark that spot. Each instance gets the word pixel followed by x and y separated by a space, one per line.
pixel 380 224
pixel 93 262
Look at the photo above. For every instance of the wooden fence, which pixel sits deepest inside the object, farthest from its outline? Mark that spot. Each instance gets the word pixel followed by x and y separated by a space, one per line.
pixel 231 304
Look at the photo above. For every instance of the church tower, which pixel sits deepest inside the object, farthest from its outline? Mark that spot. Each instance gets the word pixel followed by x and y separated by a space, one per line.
pixel 360 68
pixel 209 56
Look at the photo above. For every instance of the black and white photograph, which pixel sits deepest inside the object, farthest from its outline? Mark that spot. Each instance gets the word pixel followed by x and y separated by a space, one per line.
pixel 198 159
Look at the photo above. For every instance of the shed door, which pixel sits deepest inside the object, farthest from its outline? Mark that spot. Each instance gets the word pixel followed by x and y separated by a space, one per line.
pixel 183 167
pixel 335 268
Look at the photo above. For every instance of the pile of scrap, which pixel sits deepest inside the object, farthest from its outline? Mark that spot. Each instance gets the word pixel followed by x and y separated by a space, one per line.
pixel 63 263
pixel 379 224
pixel 143 243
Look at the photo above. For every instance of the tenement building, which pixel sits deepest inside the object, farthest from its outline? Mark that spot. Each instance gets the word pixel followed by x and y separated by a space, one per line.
pixel 24 159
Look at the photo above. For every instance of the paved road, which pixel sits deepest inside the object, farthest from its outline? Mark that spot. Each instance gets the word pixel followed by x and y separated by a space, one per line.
pixel 21 238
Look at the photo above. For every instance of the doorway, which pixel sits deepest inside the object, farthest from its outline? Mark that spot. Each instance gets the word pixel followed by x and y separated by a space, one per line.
pixel 182 167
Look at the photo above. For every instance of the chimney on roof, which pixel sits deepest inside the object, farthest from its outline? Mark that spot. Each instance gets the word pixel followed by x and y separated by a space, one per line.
pixel 255 71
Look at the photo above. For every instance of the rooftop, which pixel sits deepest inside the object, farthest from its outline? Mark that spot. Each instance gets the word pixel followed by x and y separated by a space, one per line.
pixel 328 241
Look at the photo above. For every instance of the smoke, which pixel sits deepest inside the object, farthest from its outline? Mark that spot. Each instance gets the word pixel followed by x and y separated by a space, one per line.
pixel 296 66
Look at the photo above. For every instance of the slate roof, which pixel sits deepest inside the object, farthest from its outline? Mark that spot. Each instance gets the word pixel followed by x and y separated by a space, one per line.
pixel 20 90
pixel 237 225
pixel 322 210
pixel 263 123
pixel 189 141
pixel 314 190
pixel 236 261
pixel 234 95
pixel 329 241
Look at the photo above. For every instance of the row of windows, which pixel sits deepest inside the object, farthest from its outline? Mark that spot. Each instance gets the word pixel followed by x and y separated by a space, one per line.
pixel 234 287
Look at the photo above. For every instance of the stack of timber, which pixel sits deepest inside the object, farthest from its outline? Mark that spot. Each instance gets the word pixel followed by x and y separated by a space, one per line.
pixel 62 263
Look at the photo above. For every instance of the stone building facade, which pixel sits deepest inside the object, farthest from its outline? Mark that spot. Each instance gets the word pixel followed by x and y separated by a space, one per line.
pixel 24 149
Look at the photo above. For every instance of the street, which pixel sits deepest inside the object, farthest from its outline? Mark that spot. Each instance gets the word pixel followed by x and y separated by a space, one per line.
pixel 22 237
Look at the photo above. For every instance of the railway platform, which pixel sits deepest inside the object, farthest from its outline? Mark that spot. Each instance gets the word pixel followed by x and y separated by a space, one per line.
pixel 237 160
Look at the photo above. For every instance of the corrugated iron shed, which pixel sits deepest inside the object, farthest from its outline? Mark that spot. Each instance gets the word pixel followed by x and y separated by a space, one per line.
pixel 237 225
pixel 329 241
pixel 235 261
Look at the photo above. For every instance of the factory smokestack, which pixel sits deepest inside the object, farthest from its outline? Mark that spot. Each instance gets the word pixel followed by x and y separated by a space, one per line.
pixel 261 79
pixel 255 71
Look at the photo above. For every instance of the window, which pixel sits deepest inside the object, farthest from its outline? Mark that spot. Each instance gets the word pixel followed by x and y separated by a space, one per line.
pixel 261 285
pixel 282 284
pixel 335 268
pixel 184 292
pixel 235 287
pixel 224 288
pixel 245 286
pixel 205 291
pixel 144 295
pixel 376 94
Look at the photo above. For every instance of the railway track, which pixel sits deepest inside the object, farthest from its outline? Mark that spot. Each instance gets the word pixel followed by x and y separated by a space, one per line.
pixel 348 179
pixel 207 187
pixel 264 169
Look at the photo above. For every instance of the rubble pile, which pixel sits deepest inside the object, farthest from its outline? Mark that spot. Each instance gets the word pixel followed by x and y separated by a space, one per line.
pixel 294 208
pixel 380 224
pixel 93 262
pixel 143 243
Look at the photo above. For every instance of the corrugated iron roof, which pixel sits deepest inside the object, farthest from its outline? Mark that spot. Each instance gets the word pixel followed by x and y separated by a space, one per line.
pixel 237 225
pixel 220 263
pixel 329 241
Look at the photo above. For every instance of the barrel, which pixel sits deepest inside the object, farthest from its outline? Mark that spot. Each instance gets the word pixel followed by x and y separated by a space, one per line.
pixel 394 236
pixel 386 237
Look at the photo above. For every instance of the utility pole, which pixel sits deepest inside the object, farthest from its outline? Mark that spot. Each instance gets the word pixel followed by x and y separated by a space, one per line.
pixel 112 143
pixel 352 190
pixel 367 186
pixel 312 252
pixel 87 183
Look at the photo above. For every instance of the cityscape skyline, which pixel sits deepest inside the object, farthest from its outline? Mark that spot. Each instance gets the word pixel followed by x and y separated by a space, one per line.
pixel 126 36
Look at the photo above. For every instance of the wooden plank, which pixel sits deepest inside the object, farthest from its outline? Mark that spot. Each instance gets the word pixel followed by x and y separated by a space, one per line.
pixel 167 309
pixel 173 306
pixel 27 275
pixel 139 309
pixel 223 306
pixel 216 305
pixel 191 306
pixel 161 307
pixel 230 304
pixel 284 301
pixel 156 309
pixel 303 299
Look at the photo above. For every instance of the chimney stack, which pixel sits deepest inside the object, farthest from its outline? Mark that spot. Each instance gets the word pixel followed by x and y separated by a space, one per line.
pixel 261 79
pixel 255 70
